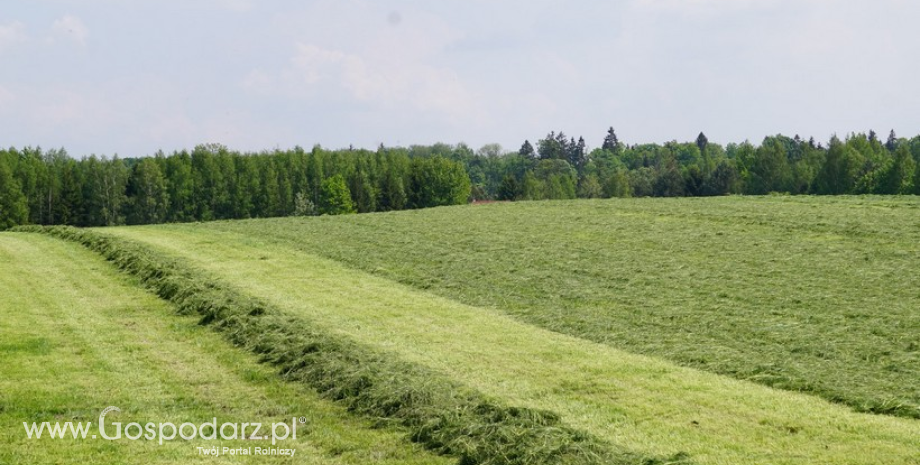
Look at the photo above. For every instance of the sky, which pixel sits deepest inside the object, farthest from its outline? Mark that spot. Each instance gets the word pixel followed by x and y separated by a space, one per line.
pixel 133 77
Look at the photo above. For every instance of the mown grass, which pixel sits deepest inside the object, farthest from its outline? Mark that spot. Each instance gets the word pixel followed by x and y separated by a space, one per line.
pixel 76 336
pixel 635 402
pixel 441 414
pixel 809 294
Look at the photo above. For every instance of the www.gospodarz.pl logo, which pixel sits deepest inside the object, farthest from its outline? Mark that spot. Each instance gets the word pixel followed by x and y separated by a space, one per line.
pixel 163 432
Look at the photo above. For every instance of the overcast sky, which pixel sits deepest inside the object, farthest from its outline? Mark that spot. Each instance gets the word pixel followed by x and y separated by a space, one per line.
pixel 132 77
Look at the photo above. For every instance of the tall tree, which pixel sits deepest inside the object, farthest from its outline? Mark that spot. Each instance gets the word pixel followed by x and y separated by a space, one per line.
pixel 723 180
pixel 576 155
pixel 770 170
pixel 69 208
pixel 611 142
pixel 148 193
pixel 668 179
pixel 393 189
pixel 13 205
pixel 109 180
pixel 208 182
pixel 589 187
pixel 509 188
pixel 838 174
pixel 702 141
pixel 617 184
pixel 527 151
pixel 269 199
pixel 180 187
pixel 363 191
pixel 553 146
pixel 898 178
pixel 247 187
pixel 892 142
pixel 316 171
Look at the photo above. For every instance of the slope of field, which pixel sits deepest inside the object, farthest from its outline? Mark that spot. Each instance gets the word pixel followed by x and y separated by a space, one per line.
pixel 800 293
pixel 633 401
pixel 76 336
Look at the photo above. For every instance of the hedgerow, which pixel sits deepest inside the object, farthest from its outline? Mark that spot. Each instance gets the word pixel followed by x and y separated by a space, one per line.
pixel 439 413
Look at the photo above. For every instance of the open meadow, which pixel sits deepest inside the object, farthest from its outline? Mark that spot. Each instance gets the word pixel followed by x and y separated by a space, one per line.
pixel 813 294
pixel 545 305
pixel 768 330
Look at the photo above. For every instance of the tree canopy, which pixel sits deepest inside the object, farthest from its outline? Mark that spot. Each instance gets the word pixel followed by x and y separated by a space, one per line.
pixel 213 182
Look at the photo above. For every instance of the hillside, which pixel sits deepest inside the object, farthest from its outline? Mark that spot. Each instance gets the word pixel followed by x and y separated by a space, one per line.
pixel 801 293
pixel 541 305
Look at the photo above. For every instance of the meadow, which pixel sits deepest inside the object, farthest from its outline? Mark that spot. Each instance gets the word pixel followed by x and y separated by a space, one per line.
pixel 769 330
pixel 546 305
pixel 814 294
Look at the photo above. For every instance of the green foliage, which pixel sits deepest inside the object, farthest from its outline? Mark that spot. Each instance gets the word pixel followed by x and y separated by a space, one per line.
pixel 618 185
pixel 552 179
pixel 533 188
pixel 509 189
pixel 214 182
pixel 148 193
pixel 335 198
pixel 725 179
pixel 107 181
pixel 180 187
pixel 668 180
pixel 437 181
pixel 641 182
pixel 527 151
pixel 13 204
pixel 897 177
pixel 364 193
pixel 611 142
pixel 770 170
pixel 838 174
pixel 589 187
pixel 269 200
pixel 917 179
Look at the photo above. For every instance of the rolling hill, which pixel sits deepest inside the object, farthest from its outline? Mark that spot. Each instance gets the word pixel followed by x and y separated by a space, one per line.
pixel 766 330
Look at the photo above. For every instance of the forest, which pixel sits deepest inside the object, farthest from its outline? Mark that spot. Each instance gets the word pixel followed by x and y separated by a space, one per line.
pixel 211 182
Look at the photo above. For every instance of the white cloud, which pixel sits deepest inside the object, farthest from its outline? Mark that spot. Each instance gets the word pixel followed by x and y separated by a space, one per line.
pixel 71 28
pixel 405 83
pixel 11 34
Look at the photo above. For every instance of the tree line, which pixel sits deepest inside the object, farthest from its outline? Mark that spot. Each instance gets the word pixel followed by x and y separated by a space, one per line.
pixel 560 167
pixel 212 182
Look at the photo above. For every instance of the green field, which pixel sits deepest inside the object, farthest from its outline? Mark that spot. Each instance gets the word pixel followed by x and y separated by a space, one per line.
pixel 76 336
pixel 734 330
pixel 777 291
pixel 811 294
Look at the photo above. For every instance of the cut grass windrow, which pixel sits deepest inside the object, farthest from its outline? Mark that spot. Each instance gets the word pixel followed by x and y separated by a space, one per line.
pixel 77 335
pixel 440 414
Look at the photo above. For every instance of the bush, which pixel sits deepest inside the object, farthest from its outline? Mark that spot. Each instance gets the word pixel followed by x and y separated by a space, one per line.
pixel 335 198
